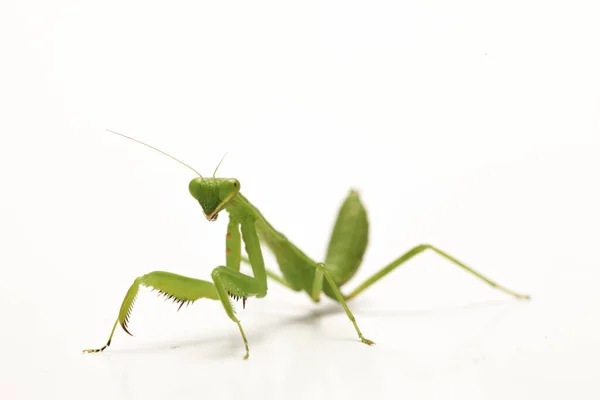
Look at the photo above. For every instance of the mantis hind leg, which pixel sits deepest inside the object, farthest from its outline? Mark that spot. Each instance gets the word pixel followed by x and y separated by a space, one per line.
pixel 419 249
pixel 180 289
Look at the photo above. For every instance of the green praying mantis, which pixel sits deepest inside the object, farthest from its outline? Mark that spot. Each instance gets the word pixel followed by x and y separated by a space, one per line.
pixel 298 271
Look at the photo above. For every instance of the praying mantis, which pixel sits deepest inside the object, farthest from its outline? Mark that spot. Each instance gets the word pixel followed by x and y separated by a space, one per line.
pixel 299 272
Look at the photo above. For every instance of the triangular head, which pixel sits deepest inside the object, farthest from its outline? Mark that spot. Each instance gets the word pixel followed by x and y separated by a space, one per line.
pixel 213 194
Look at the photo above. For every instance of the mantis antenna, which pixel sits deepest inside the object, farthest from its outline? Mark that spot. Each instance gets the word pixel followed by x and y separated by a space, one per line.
pixel 160 151
pixel 218 165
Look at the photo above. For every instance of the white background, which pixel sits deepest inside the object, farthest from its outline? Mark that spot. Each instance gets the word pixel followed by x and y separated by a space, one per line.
pixel 466 124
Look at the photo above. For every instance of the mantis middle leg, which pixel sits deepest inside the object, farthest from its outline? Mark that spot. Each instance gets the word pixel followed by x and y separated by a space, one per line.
pixel 321 273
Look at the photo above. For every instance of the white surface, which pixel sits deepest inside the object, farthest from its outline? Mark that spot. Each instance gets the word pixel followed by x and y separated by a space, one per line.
pixel 473 126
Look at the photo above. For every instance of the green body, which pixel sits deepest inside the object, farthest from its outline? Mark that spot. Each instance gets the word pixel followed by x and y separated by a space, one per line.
pixel 299 272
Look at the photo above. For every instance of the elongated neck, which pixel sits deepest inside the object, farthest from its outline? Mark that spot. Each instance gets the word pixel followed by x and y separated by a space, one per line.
pixel 241 209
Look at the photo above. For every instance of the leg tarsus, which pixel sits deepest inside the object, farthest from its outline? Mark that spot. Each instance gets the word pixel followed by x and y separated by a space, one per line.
pixel 101 349
pixel 245 340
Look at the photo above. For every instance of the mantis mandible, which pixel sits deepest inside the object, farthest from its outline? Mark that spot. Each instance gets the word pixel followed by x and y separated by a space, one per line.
pixel 298 271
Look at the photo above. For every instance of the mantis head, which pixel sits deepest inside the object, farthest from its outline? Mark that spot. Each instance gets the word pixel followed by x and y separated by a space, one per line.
pixel 213 194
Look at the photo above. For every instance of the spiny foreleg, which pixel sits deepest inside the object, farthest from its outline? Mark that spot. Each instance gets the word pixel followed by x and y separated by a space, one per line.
pixel 180 289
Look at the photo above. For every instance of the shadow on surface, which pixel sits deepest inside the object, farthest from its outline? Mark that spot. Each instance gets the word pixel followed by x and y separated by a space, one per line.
pixel 231 344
